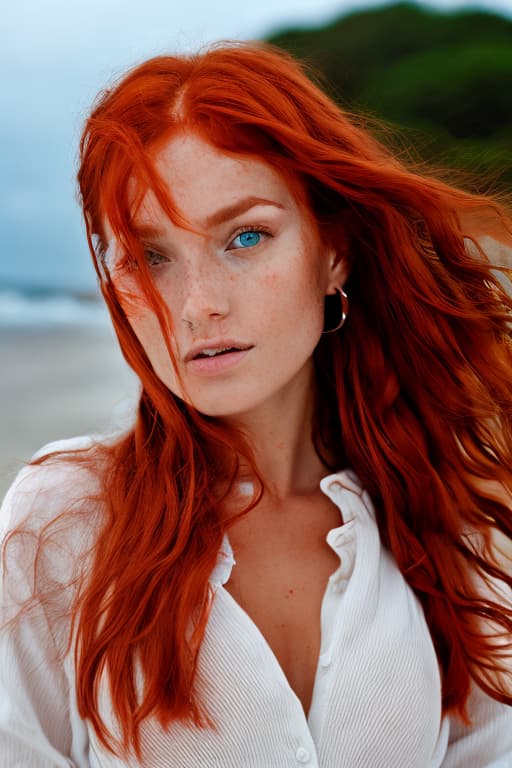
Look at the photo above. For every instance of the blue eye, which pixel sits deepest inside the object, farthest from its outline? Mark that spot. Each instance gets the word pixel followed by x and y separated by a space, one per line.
pixel 247 239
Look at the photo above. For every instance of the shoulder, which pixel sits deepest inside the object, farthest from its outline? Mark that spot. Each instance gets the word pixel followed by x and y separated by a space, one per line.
pixel 60 474
pixel 51 515
pixel 48 521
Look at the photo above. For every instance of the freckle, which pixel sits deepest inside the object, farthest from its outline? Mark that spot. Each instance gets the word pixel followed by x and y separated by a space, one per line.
pixel 290 592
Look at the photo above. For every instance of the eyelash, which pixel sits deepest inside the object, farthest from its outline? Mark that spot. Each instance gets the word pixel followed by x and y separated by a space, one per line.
pixel 255 228
pixel 152 252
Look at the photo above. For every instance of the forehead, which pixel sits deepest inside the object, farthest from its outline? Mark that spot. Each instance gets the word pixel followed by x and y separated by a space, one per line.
pixel 201 179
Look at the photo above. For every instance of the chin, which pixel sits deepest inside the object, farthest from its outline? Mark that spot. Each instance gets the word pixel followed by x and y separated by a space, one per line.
pixel 219 406
pixel 220 410
pixel 224 405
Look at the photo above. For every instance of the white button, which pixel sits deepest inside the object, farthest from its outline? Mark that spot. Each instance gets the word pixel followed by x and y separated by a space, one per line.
pixel 325 659
pixel 339 586
pixel 302 755
pixel 335 486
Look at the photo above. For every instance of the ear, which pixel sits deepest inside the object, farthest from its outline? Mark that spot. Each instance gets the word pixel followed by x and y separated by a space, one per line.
pixel 339 269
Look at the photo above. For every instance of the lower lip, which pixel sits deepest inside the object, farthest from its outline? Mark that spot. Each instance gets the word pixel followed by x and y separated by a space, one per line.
pixel 217 364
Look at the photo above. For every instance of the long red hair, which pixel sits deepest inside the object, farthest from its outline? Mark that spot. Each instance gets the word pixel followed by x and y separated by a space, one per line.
pixel 415 390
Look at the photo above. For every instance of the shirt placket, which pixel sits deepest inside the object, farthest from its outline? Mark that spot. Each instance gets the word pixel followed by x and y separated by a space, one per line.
pixel 342 540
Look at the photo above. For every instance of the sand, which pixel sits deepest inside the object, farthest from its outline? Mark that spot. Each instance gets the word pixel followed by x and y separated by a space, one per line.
pixel 57 383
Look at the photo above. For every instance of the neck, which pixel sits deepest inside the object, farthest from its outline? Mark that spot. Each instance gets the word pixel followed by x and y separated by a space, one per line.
pixel 280 434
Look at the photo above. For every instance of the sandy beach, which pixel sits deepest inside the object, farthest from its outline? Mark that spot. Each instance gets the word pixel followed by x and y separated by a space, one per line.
pixel 58 382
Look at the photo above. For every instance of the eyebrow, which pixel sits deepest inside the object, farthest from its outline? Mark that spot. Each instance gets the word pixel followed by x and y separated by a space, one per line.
pixel 215 219
pixel 237 209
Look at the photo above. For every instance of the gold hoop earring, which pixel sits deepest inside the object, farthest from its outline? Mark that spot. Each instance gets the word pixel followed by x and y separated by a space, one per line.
pixel 343 301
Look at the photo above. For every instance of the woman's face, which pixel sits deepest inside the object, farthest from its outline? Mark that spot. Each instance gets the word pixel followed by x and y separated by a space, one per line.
pixel 252 277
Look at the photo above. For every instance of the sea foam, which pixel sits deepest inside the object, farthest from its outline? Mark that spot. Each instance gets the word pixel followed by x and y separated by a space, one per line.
pixel 19 309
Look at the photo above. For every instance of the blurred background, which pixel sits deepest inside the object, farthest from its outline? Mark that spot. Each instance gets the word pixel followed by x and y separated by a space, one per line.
pixel 440 74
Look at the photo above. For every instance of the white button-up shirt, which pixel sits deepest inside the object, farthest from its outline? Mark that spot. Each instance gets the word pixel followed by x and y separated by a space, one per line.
pixel 377 694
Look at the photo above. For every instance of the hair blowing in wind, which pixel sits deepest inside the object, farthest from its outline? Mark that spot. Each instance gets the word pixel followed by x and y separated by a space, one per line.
pixel 414 390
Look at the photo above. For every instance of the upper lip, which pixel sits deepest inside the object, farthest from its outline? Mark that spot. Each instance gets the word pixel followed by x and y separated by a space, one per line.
pixel 214 344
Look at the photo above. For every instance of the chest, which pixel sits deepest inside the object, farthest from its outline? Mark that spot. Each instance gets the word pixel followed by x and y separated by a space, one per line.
pixel 377 698
pixel 279 580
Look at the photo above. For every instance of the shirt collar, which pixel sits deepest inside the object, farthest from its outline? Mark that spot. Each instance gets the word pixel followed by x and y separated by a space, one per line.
pixel 335 486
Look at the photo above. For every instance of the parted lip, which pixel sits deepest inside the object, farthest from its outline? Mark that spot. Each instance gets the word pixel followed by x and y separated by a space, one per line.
pixel 196 349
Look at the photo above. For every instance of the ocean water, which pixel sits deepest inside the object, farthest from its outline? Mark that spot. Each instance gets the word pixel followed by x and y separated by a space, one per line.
pixel 45 309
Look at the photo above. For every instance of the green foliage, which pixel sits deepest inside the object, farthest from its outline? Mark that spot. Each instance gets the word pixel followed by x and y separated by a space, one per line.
pixel 446 77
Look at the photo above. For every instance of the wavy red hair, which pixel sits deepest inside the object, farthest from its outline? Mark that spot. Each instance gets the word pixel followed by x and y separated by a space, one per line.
pixel 415 390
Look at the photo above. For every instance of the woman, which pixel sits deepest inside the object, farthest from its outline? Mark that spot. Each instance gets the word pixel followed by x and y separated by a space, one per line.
pixel 291 558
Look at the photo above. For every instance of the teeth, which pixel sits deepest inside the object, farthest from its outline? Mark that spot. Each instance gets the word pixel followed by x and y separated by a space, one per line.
pixel 212 352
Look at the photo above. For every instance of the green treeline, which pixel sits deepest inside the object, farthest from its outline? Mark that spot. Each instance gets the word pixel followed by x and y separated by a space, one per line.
pixel 443 79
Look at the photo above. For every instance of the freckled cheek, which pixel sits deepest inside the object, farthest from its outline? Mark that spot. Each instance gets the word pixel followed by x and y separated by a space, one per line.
pixel 288 300
pixel 269 295
pixel 146 327
pixel 128 294
pixel 134 303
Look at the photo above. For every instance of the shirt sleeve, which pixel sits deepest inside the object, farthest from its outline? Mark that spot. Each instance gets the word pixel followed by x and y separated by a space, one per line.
pixel 39 724
pixel 487 743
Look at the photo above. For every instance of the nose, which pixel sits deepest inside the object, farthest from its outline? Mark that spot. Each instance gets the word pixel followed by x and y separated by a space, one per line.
pixel 205 296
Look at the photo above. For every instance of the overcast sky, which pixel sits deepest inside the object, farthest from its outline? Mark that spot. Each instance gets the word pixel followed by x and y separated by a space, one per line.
pixel 54 57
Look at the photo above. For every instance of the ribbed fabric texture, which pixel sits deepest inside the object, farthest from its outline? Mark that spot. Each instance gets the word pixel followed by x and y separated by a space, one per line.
pixel 376 700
